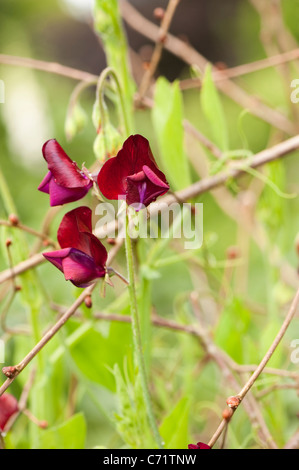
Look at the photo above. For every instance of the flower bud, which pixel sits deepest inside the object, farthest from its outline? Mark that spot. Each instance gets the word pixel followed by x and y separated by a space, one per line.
pixel 13 219
pixel 233 402
pixel 159 13
pixel 8 407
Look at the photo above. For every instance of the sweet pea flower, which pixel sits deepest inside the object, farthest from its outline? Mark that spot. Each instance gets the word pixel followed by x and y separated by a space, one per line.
pixel 133 174
pixel 82 257
pixel 8 407
pixel 64 182
pixel 199 445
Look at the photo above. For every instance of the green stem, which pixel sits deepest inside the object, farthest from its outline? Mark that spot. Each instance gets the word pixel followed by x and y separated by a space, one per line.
pixel 109 71
pixel 137 338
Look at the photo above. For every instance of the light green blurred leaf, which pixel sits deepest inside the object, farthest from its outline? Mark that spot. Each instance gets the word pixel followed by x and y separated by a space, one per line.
pixel 75 121
pixel 94 354
pixel 131 419
pixel 108 24
pixel 174 428
pixel 233 326
pixel 69 435
pixel 167 116
pixel 213 110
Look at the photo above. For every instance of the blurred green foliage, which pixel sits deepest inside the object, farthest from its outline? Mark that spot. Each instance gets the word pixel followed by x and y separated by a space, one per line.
pixel 86 385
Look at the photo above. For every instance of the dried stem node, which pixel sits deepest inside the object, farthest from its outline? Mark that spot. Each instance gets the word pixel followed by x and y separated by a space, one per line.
pixel 233 402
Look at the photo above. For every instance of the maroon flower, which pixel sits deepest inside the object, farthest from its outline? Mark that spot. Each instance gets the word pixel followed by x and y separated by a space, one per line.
pixel 82 257
pixel 64 182
pixel 199 445
pixel 8 407
pixel 133 174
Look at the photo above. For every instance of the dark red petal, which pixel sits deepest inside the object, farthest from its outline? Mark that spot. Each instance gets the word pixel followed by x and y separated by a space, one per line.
pixel 75 231
pixel 154 178
pixel 44 185
pixel 72 226
pixel 77 267
pixel 144 187
pixel 60 195
pixel 63 169
pixel 202 445
pixel 8 407
pixel 199 445
pixel 130 160
pixel 97 251
pixel 56 257
pixel 112 178
pixel 80 268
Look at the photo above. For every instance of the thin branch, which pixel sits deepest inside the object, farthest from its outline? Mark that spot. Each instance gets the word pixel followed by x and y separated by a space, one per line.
pixel 235 171
pixel 23 266
pixel 22 401
pixel 272 388
pixel 14 371
pixel 162 38
pixel 202 139
pixel 241 395
pixel 269 370
pixel 192 57
pixel 50 67
pixel 244 69
pixel 293 443
pixel 30 230
pixel 265 156
pixel 224 363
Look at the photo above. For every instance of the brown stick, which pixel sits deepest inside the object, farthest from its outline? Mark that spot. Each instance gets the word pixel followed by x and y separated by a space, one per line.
pixel 51 67
pixel 14 371
pixel 241 395
pixel 46 338
pixel 23 266
pixel 30 230
pixel 265 156
pixel 192 57
pixel 244 69
pixel 165 24
pixel 261 158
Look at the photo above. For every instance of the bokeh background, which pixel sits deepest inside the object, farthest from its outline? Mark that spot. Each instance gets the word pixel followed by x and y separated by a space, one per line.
pixel 231 33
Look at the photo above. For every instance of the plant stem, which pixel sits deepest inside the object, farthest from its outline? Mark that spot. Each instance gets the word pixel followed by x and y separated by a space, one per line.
pixel 137 337
pixel 109 71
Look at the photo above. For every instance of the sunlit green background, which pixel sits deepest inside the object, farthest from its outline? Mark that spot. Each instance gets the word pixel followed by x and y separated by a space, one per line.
pixel 75 379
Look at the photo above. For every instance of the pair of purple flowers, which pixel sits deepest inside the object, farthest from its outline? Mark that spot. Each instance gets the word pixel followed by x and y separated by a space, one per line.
pixel 132 175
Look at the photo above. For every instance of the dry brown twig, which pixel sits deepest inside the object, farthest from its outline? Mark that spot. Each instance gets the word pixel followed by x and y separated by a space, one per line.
pixel 265 156
pixel 278 151
pixel 13 371
pixel 50 67
pixel 192 57
pixel 161 39
pixel 234 402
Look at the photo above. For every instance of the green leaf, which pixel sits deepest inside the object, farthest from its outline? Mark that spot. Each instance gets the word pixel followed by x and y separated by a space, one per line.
pixel 233 329
pixel 149 273
pixel 213 111
pixel 95 355
pixel 174 428
pixel 69 435
pixel 75 121
pixel 107 142
pixel 131 419
pixel 108 24
pixel 167 116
